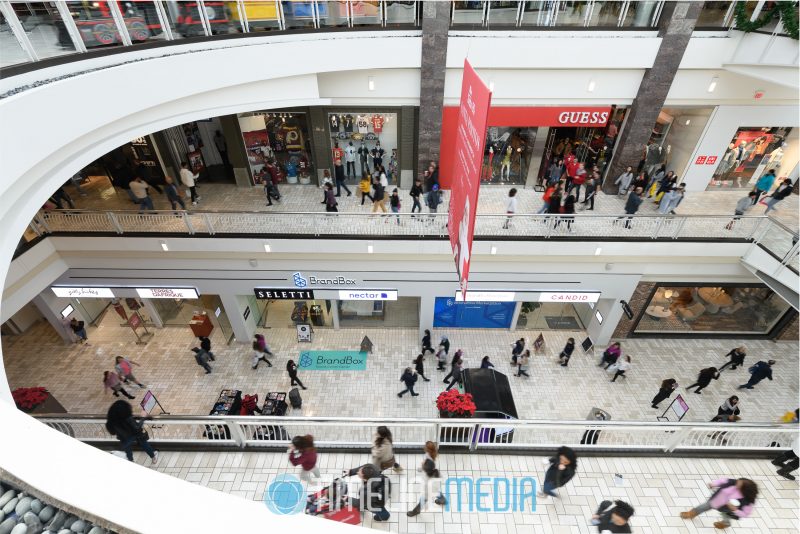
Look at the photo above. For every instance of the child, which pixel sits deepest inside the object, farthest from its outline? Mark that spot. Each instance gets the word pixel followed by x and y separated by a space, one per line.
pixel 364 185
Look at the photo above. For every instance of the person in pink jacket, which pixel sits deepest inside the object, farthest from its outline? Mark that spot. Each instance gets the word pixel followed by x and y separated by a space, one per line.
pixel 733 498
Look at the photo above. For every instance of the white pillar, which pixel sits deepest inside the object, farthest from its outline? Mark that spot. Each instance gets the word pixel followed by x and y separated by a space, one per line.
pixel 243 330
pixel 335 313
pixel 515 317
pixel 426 304
pixel 153 313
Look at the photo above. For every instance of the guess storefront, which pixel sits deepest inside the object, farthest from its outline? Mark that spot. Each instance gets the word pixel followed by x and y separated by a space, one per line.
pixel 521 142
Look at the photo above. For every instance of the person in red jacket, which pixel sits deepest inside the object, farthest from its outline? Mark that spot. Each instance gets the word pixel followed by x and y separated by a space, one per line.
pixel 303 453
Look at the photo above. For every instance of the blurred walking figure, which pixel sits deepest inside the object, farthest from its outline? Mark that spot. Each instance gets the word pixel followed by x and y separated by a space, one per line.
pixel 734 498
pixel 111 381
pixel 667 387
pixel 120 422
pixel 303 453
pixel 736 356
pixel 383 451
pixel 562 468
pixel 124 368
pixel 704 378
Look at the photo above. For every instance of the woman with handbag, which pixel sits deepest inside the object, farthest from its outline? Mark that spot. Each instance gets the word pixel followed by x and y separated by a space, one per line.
pixel 120 422
pixel 611 355
pixel 734 498
pixel 619 368
pixel 383 452
pixel 566 354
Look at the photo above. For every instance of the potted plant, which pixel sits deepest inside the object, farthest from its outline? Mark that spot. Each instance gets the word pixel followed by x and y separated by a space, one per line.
pixel 453 404
pixel 27 399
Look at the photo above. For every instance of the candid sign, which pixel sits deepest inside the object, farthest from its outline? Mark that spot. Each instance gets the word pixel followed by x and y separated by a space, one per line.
pixel 367 294
pixel 485 296
pixel 569 296
pixel 278 293
pixel 472 117
pixel 166 293
pixel 84 292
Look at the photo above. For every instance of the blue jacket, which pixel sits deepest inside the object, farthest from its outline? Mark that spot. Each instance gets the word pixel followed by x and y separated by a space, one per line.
pixel 765 182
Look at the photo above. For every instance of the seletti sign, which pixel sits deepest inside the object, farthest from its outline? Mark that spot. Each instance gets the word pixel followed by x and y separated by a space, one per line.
pixel 282 293
pixel 568 296
pixel 468 160
pixel 83 292
pixel 486 296
pixel 166 293
pixel 367 294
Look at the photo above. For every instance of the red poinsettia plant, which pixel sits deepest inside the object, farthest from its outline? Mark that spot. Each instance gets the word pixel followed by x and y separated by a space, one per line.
pixel 455 403
pixel 29 398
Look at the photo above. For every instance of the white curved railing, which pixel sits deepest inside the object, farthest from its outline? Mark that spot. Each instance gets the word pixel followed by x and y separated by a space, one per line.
pixel 254 432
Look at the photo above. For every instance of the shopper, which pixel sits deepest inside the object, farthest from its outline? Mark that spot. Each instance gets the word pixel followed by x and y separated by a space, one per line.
pixel 624 181
pixel 511 206
pixel 201 357
pixel 426 343
pixel 374 492
pixel 431 482
pixel 744 204
pixel 759 372
pixel 456 358
pixel 303 453
pixel 555 172
pixel 728 408
pixel 790 460
pixel 120 422
pixel 60 195
pixel 704 378
pixel 733 498
pixel 566 352
pixel 524 363
pixel 516 350
pixel 111 382
pixel 338 171
pixel 665 391
pixel 783 191
pixel 632 205
pixel 260 351
pixel 365 185
pixel 419 367
pixel 592 188
pixel 271 188
pixel 736 356
pixel 188 179
pixel 79 329
pixel 611 355
pixel 444 342
pixel 622 365
pixel 485 363
pixel 174 194
pixel 383 451
pixel 409 378
pixel 441 359
pixel 551 188
pixel 578 179
pixel 291 368
pixel 655 181
pixel 124 368
pixel 640 181
pixel 378 193
pixel 613 517
pixel 330 199
pixel 562 468
pixel 456 372
pixel 764 184
pixel 433 199
pixel 394 204
pixel 416 193
pixel 205 344
pixel 667 182
pixel 554 204
pixel 567 209
pixel 139 188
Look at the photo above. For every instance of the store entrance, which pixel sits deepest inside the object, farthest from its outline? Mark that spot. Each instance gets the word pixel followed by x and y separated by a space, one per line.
pixel 179 312
pixel 287 313
pixel 750 154
pixel 402 313
pixel 553 316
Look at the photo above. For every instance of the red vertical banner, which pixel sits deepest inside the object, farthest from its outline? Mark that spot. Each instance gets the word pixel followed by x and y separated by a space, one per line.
pixel 473 113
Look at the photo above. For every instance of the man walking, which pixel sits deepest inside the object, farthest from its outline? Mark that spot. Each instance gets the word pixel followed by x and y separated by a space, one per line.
pixel 632 205
pixel 139 188
pixel 764 184
pixel 416 192
pixel 759 372
pixel 409 378
pixel 338 170
pixel 188 179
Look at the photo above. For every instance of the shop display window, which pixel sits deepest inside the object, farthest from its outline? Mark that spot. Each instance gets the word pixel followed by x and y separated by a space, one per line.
pixel 751 153
pixel 727 309
pixel 278 146
pixel 401 13
pixel 362 140
pixel 403 312
pixel 468 12
pixel 507 155
pixel 502 13
pixel 283 313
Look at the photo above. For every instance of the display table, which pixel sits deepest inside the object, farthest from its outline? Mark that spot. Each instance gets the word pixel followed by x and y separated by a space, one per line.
pixel 201 325
pixel 274 405
pixel 658 312
pixel 229 402
pixel 715 296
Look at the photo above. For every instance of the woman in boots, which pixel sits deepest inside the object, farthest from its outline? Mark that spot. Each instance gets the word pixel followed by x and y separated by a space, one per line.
pixel 431 480
pixel 667 387
pixel 383 451
pixel 419 365
pixel 735 498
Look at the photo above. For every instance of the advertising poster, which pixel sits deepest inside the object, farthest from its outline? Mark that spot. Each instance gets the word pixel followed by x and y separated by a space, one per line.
pixel 256 142
pixel 468 158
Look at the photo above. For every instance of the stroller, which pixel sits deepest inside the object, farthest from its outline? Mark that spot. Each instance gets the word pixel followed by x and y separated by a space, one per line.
pixel 331 503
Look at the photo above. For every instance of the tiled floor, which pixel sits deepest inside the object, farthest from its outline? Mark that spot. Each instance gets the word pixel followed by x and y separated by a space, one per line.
pixel 298 198
pixel 659 489
pixel 74 373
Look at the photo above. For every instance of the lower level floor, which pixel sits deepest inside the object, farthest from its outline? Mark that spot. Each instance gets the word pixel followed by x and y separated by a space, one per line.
pixel 658 489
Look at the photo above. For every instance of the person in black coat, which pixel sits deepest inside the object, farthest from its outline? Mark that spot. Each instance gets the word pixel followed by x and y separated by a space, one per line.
pixel 409 378
pixel 426 343
pixel 759 372
pixel 419 366
pixel 566 353
pixel 120 422
pixel 613 517
pixel 518 347
pixel 667 387
pixel 562 468
pixel 374 492
pixel 736 358
pixel 704 379
pixel 446 344
pixel 727 408
pixel 291 368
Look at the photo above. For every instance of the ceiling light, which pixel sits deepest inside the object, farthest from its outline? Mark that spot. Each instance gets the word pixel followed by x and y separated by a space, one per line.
pixel 164 246
pixel 371 83
pixel 597 251
pixel 493 250
pixel 713 84
pixel 688 122
pixel 591 86
pixel 370 248
pixel 267 247
pixel 491 87
pixel 253 263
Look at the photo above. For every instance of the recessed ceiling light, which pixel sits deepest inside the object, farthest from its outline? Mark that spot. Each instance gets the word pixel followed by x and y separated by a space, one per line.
pixel 164 246
pixel 713 85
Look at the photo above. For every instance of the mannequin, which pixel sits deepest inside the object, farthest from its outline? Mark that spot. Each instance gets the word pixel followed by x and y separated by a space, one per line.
pixel 350 158
pixel 363 153
pixel 653 158
pixel 505 165
pixel 488 173
pixel 776 156
pixel 377 155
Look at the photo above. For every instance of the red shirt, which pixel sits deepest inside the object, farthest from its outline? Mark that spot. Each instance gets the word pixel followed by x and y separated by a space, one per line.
pixel 306 459
pixel 571 163
pixel 338 154
pixel 377 123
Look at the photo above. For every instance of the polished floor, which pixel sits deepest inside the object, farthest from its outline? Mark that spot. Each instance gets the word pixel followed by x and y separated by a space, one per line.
pixel 73 373
pixel 659 489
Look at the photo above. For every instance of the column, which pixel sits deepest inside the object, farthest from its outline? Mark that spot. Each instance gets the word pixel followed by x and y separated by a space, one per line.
pixel 235 306
pixel 675 28
pixel 426 304
pixel 407 151
pixel 537 153
pixel 237 154
pixel 320 141
pixel 152 312
pixel 435 23
pixel 515 317
pixel 51 307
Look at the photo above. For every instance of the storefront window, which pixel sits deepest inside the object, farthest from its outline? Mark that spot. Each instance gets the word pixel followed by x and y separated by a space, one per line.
pixel 605 13
pixel 640 13
pixel 401 13
pixel 261 16
pixel 403 312
pixel 712 310
pixel 366 139
pixel 366 13
pixel 538 13
pixel 553 316
pixel 675 136
pixel 468 12
pixel 179 312
pixel 507 155
pixel 45 30
pixel 278 146
pixel 448 313
pixel 288 313
pixel 714 14
pixel 503 13
pixel 572 13
pixel 333 13
pixel 301 14
pixel 751 153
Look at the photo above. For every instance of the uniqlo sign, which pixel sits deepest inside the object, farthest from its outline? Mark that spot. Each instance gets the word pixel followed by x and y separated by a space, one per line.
pixel 711 160
pixel 473 114
pixel 700 160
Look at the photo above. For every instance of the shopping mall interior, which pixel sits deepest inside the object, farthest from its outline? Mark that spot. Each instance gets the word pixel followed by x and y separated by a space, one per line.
pixel 552 247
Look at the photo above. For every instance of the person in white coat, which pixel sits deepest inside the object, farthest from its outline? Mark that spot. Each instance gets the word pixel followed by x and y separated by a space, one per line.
pixel 188 179
pixel 624 181
pixel 431 483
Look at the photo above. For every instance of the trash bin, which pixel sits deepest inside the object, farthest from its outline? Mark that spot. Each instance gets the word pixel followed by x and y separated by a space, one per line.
pixel 590 437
